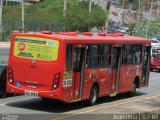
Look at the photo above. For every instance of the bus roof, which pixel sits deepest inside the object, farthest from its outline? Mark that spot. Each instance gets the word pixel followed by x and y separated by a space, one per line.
pixel 88 37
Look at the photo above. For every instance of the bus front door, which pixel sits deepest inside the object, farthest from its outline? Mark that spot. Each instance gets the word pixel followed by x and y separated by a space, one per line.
pixel 145 68
pixel 115 67
pixel 78 72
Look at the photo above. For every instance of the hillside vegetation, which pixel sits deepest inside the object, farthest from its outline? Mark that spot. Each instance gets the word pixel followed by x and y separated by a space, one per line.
pixel 49 14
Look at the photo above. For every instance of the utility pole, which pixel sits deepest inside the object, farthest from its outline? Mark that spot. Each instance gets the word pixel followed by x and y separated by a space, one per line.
pixel 130 6
pixel 139 6
pixel 22 16
pixel 1 6
pixel 123 5
pixel 64 8
pixel 6 2
pixel 64 13
pixel 158 8
pixel 108 4
pixel 149 18
pixel 90 6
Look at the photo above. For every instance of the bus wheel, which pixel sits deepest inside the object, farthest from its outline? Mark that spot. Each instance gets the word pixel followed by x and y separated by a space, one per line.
pixel 3 93
pixel 93 95
pixel 151 69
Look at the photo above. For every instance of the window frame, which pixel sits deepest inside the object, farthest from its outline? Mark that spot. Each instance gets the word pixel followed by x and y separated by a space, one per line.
pixel 100 54
pixel 104 55
pixel 126 54
pixel 132 54
pixel 91 56
pixel 137 45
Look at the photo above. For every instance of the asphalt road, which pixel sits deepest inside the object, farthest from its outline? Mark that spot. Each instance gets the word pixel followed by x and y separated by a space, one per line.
pixel 38 109
pixel 4 52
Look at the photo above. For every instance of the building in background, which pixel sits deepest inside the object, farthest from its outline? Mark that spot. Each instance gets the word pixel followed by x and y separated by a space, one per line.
pixel 18 2
pixel 11 2
pixel 33 1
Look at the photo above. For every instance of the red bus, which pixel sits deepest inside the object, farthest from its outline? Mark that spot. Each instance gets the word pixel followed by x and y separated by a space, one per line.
pixel 71 67
pixel 155 60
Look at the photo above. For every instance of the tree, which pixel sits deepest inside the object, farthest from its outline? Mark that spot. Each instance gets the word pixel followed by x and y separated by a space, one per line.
pixel 49 12
pixel 153 27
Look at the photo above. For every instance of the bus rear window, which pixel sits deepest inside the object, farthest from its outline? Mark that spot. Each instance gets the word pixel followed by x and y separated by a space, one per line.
pixel 36 48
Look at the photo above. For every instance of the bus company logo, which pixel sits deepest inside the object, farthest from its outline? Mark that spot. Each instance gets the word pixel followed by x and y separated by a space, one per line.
pixel 21 46
pixel 33 62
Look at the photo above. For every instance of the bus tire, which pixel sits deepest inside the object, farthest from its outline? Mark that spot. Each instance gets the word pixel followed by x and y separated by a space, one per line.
pixel 151 69
pixel 3 93
pixel 93 95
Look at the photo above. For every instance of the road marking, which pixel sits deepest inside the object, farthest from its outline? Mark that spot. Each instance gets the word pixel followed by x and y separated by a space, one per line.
pixel 98 108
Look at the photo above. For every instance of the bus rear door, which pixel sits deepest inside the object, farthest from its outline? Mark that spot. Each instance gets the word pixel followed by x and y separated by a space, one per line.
pixel 78 71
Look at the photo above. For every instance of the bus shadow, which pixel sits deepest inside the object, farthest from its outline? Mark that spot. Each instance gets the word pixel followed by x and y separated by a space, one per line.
pixel 53 106
pixel 118 97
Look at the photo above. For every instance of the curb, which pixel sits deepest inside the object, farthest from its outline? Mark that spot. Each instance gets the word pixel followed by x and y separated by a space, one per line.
pixel 5 44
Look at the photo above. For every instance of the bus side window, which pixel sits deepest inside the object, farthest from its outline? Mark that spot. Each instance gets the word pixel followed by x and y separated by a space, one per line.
pixel 92 56
pixel 126 55
pixel 69 57
pixel 105 55
pixel 137 54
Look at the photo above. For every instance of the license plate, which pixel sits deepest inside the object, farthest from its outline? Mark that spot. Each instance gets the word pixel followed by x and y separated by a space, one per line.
pixel 31 93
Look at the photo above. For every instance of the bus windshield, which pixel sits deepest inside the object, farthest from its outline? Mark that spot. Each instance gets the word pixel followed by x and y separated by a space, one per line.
pixel 36 48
